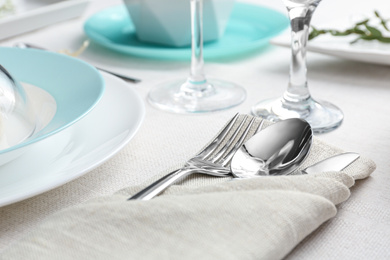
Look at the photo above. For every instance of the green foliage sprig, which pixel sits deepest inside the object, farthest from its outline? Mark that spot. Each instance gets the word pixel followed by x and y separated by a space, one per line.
pixel 362 29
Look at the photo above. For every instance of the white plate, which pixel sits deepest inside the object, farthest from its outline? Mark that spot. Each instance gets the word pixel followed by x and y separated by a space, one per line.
pixel 78 149
pixel 33 14
pixel 363 51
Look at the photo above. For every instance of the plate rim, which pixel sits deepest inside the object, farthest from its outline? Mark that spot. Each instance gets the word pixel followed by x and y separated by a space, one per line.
pixel 356 54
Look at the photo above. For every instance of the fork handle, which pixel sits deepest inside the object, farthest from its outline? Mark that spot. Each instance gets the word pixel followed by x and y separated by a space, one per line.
pixel 160 185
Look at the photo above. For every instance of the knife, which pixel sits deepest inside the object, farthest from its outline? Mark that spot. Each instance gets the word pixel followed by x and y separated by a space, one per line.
pixel 335 163
pixel 22 45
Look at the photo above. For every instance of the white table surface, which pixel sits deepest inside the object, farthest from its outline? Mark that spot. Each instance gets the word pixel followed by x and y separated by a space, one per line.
pixel 361 229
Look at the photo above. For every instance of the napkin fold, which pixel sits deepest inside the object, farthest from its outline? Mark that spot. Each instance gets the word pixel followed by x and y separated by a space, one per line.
pixel 201 218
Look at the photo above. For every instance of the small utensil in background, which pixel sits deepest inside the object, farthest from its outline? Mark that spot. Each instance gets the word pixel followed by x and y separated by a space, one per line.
pixel 23 45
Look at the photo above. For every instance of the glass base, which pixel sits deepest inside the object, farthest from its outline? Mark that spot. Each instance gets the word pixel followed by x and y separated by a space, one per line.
pixel 213 95
pixel 321 115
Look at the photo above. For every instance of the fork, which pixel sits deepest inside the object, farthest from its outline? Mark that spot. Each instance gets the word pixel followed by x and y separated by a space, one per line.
pixel 212 160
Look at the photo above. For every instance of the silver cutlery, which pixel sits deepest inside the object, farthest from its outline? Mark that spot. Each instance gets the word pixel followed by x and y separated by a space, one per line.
pixel 283 145
pixel 277 150
pixel 27 45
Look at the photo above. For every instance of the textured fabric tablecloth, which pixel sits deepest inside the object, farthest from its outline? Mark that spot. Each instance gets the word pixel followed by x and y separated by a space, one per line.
pixel 361 228
pixel 200 218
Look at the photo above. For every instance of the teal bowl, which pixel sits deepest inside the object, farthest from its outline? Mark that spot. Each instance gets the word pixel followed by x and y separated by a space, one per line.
pixel 75 86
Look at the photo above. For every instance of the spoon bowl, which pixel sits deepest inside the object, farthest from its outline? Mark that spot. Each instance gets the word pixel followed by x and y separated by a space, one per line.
pixel 277 150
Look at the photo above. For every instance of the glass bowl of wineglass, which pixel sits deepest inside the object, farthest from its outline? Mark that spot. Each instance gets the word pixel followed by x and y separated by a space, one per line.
pixel 17 117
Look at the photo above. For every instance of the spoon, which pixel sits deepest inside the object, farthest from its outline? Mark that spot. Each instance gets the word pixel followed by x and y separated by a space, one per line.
pixel 277 150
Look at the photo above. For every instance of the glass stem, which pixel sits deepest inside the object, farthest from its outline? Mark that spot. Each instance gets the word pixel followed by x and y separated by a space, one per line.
pixel 297 93
pixel 197 75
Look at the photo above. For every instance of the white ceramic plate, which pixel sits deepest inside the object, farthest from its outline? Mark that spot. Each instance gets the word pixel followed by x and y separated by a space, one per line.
pixel 363 51
pixel 29 15
pixel 78 149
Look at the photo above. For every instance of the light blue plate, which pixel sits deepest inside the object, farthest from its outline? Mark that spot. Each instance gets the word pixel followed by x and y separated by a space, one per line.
pixel 250 27
pixel 75 85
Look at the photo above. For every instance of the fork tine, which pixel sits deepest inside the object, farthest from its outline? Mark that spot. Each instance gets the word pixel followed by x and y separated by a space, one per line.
pixel 209 149
pixel 259 127
pixel 226 147
pixel 228 157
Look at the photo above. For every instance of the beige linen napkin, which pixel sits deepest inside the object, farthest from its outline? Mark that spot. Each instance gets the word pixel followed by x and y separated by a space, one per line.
pixel 202 218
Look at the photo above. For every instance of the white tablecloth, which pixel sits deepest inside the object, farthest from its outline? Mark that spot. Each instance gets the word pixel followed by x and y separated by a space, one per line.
pixel 360 230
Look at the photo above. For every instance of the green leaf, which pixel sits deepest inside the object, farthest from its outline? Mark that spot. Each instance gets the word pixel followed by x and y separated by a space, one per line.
pixel 383 21
pixel 374 32
pixel 384 39
pixel 362 22
pixel 362 29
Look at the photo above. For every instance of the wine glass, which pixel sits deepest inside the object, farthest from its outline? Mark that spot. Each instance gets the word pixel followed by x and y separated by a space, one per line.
pixel 297 101
pixel 17 116
pixel 196 94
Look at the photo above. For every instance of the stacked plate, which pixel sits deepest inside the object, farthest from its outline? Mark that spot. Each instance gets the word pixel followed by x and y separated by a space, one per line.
pixel 90 116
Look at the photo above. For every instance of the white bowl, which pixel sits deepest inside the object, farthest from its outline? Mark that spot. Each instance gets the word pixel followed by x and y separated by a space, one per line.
pixel 168 22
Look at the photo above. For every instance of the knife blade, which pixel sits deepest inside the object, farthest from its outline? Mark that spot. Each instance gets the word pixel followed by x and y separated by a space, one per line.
pixel 335 163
